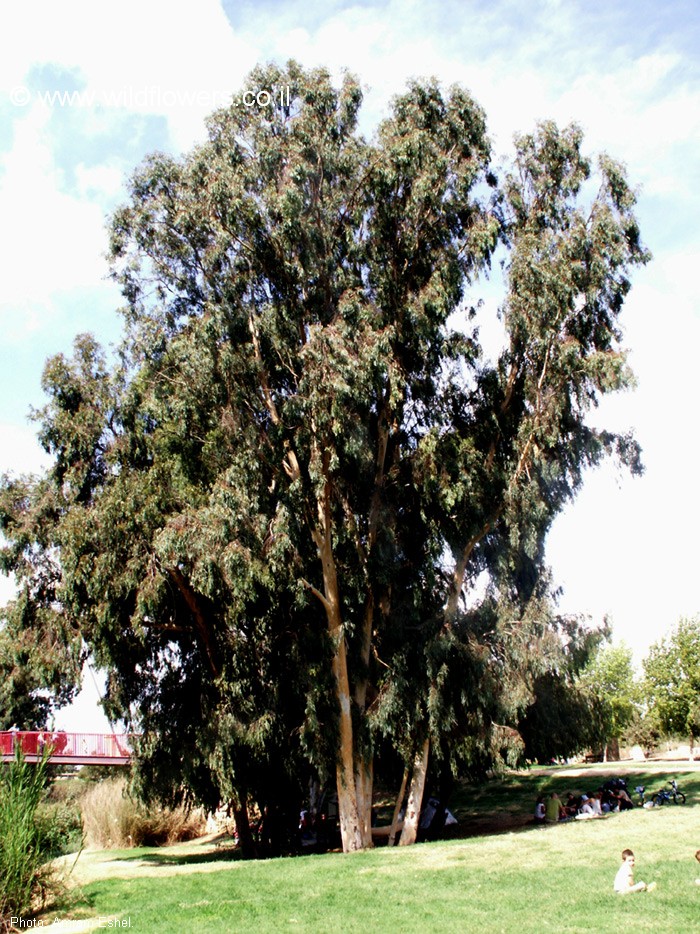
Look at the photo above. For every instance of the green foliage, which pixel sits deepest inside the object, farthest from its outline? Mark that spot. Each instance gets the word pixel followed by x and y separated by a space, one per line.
pixel 562 719
pixel 60 827
pixel 672 680
pixel 609 681
pixel 39 665
pixel 26 841
pixel 559 723
pixel 643 730
pixel 40 650
pixel 274 514
pixel 59 814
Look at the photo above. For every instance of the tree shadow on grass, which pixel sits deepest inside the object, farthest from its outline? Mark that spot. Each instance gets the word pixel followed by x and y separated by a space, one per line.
pixel 168 858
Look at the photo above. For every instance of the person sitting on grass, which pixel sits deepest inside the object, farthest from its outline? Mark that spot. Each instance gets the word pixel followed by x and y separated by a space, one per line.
pixel 571 805
pixel 624 801
pixel 624 880
pixel 553 808
pixel 540 810
pixel 586 811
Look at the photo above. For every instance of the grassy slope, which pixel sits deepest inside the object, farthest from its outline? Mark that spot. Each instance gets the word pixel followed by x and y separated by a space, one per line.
pixel 511 800
pixel 534 879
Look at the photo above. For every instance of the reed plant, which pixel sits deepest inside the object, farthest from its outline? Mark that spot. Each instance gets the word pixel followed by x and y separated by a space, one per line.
pixel 113 819
pixel 26 875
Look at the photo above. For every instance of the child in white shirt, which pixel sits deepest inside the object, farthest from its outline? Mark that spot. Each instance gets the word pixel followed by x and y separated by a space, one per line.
pixel 624 880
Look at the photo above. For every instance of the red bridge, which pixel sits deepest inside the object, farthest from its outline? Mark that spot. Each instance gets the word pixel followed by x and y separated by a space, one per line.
pixel 67 748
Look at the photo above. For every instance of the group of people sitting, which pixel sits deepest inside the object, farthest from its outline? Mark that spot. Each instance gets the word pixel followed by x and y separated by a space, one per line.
pixel 582 807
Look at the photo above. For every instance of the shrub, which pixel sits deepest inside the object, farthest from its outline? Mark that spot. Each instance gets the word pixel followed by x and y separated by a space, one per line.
pixel 59 816
pixel 111 818
pixel 61 827
pixel 26 878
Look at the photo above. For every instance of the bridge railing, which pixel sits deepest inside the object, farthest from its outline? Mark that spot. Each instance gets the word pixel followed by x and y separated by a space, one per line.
pixel 70 745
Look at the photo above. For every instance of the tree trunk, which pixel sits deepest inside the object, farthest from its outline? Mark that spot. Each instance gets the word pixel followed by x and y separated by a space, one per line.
pixel 397 807
pixel 354 823
pixel 364 778
pixel 354 810
pixel 415 796
pixel 245 835
pixel 353 773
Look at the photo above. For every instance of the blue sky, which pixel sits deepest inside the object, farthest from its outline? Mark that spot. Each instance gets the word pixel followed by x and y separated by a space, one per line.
pixel 629 73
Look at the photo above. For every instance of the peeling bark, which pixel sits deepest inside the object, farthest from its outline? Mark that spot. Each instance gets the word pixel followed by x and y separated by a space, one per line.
pixel 397 807
pixel 364 779
pixel 351 822
pixel 415 796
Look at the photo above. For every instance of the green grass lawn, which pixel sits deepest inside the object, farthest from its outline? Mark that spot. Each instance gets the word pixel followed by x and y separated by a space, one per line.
pixel 555 878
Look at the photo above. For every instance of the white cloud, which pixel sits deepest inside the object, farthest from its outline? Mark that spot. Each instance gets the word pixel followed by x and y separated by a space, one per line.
pixel 99 182
pixel 50 242
pixel 7 589
pixel 148 55
pixel 628 550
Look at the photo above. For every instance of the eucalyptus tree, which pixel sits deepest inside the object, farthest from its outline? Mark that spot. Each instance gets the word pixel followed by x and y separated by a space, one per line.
pixel 40 648
pixel 273 512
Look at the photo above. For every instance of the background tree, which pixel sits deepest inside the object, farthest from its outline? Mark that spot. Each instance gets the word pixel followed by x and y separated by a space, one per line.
pixel 561 720
pixel 643 729
pixel 272 512
pixel 672 681
pixel 609 681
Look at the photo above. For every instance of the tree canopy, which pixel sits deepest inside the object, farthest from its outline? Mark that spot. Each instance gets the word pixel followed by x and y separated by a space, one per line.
pixel 672 681
pixel 608 679
pixel 302 517
pixel 563 718
pixel 41 652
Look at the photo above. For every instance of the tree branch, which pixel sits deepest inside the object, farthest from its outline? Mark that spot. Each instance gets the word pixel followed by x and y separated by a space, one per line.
pixel 203 630
pixel 317 593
